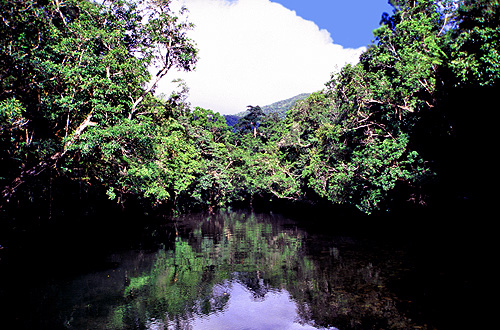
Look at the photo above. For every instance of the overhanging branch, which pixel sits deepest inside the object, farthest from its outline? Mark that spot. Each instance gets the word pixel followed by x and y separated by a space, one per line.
pixel 9 190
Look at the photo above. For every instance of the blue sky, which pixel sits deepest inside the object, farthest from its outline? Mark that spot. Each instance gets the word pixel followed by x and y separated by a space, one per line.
pixel 350 22
pixel 257 52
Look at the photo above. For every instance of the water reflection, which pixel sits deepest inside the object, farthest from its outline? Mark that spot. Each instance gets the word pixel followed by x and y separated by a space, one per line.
pixel 239 271
pixel 228 272
pixel 274 310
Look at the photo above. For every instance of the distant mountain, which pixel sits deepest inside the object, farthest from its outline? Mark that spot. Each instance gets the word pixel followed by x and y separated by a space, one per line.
pixel 280 107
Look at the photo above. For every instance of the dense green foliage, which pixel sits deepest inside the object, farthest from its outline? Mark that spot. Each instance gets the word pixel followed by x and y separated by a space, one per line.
pixel 77 104
pixel 75 93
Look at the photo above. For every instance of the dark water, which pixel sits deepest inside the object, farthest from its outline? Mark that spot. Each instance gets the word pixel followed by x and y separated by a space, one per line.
pixel 238 271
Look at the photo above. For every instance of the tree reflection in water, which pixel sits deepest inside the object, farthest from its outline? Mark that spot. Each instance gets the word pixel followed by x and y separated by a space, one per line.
pixel 237 270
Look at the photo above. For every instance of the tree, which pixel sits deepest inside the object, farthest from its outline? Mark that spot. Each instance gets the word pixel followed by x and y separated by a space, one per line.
pixel 250 121
pixel 214 186
pixel 475 49
pixel 355 143
pixel 471 85
pixel 73 75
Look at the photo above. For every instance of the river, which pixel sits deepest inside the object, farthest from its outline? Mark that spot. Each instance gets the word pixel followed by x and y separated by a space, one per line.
pixel 235 270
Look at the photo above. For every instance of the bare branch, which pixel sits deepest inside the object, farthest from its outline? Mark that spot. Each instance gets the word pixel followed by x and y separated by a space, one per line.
pixel 402 107
pixel 166 67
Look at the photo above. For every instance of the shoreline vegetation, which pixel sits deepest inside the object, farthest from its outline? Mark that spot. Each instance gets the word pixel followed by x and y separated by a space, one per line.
pixel 405 131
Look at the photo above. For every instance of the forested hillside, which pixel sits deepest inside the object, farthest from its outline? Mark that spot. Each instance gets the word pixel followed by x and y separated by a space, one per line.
pixel 280 107
pixel 405 127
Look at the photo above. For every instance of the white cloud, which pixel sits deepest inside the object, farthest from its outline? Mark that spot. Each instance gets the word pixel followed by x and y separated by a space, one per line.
pixel 256 52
